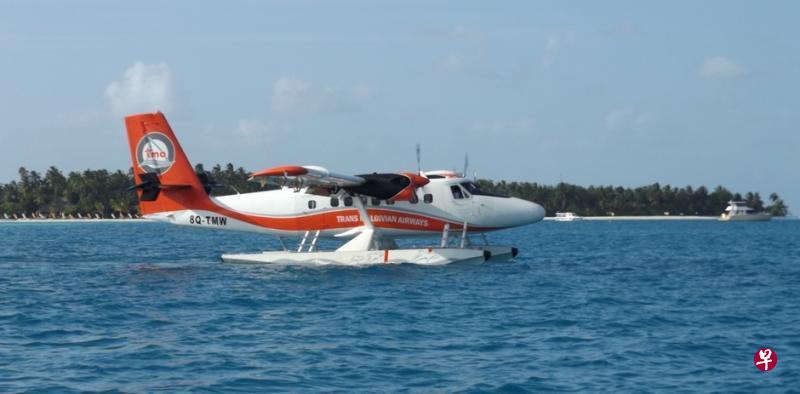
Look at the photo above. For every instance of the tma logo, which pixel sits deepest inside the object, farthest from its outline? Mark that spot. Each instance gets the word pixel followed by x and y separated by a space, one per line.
pixel 155 153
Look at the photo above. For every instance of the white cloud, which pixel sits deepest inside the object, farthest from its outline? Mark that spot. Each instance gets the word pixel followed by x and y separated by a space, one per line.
pixel 519 126
pixel 290 94
pixel 554 43
pixel 720 67
pixel 80 118
pixel 624 30
pixel 294 95
pixel 249 131
pixel 557 40
pixel 460 30
pixel 143 88
pixel 623 119
pixel 451 62
pixel 362 92
pixel 471 35
pixel 255 129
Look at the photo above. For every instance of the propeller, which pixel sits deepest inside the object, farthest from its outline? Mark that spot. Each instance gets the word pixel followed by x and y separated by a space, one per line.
pixel 419 167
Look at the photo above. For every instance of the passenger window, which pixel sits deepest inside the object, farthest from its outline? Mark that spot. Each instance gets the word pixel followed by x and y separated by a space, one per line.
pixel 389 202
pixel 457 194
pixel 428 198
pixel 334 202
pixel 376 202
pixel 348 201
pixel 312 204
pixel 414 199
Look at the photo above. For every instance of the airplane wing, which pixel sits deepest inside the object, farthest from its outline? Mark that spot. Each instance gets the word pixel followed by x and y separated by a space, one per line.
pixel 308 175
pixel 390 186
pixel 386 186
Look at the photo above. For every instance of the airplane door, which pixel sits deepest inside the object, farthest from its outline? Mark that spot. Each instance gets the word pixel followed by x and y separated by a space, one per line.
pixel 462 202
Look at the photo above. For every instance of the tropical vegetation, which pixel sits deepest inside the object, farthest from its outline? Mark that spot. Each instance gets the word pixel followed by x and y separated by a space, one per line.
pixel 621 201
pixel 105 193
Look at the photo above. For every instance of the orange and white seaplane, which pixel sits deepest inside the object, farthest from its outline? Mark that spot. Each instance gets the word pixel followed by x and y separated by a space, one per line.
pixel 369 211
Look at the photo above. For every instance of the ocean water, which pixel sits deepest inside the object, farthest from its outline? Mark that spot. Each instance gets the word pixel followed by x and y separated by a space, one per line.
pixel 587 306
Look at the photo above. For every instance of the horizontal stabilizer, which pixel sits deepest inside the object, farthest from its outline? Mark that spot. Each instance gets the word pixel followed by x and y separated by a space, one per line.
pixel 151 186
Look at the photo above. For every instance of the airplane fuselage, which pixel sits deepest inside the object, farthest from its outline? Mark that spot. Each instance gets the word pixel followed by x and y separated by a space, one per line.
pixel 292 212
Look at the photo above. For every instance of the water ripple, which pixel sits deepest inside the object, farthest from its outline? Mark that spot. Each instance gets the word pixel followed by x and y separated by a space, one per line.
pixel 587 306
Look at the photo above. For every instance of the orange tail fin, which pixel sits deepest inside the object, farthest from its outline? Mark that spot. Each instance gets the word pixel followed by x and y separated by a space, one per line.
pixel 165 180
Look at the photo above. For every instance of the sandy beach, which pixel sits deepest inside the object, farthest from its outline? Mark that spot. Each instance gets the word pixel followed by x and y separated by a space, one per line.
pixel 655 217
pixel 73 220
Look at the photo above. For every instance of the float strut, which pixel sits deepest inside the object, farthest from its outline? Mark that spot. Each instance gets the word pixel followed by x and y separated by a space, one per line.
pixel 302 242
pixel 314 242
pixel 283 245
pixel 445 234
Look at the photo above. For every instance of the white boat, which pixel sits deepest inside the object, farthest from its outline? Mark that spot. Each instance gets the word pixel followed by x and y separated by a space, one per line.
pixel 739 211
pixel 567 217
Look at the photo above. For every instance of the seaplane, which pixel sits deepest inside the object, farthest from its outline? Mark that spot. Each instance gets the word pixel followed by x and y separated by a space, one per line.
pixel 368 212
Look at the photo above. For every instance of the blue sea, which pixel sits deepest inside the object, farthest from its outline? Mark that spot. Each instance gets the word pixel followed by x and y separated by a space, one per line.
pixel 651 306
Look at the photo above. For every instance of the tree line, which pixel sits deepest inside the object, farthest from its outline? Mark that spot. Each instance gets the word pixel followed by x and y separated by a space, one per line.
pixel 95 192
pixel 106 193
pixel 646 200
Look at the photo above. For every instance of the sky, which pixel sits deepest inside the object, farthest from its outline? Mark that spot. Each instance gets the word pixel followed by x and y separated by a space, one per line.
pixel 593 93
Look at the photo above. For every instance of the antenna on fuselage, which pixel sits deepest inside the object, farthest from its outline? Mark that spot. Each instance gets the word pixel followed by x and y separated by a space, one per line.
pixel 419 167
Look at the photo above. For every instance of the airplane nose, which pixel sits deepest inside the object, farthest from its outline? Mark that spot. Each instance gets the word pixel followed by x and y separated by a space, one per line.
pixel 537 212
pixel 527 212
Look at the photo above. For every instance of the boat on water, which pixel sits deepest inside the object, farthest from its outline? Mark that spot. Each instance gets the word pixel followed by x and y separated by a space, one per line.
pixel 567 217
pixel 739 211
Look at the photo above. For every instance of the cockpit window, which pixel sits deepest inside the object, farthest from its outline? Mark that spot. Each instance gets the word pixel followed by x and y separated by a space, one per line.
pixel 475 190
pixel 457 193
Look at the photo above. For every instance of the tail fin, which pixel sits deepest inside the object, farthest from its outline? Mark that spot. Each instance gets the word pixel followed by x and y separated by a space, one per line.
pixel 165 180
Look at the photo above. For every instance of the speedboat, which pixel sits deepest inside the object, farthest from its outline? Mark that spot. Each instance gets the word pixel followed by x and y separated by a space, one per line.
pixel 739 211
pixel 567 217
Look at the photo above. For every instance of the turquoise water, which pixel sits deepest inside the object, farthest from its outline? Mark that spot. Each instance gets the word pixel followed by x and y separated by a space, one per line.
pixel 588 306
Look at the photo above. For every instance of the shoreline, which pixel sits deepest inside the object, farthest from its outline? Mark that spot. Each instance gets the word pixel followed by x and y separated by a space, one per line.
pixel 660 218
pixel 546 219
pixel 647 217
